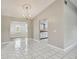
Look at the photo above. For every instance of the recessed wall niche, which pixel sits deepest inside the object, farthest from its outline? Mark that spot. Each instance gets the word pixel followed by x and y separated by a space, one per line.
pixel 43 29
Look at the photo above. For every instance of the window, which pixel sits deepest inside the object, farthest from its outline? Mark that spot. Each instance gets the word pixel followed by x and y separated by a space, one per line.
pixel 18 27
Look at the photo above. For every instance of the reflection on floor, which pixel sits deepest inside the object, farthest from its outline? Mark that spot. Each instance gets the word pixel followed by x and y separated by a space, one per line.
pixel 23 48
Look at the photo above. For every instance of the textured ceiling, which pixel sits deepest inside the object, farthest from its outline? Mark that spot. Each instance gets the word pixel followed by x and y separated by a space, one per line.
pixel 14 7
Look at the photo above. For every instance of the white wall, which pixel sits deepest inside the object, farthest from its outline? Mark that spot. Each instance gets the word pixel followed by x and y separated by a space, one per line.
pixel 62 24
pixel 5 27
pixel 54 15
pixel 70 26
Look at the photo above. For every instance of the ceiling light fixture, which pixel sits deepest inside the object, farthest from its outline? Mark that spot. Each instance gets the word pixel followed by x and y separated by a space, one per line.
pixel 27 11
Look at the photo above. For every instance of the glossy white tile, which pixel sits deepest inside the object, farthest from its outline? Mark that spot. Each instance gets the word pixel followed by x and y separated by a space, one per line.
pixel 24 48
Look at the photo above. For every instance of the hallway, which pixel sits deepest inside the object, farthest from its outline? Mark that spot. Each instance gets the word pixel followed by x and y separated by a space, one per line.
pixel 24 48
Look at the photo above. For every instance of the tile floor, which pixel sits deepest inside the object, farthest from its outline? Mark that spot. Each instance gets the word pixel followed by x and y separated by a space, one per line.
pixel 23 48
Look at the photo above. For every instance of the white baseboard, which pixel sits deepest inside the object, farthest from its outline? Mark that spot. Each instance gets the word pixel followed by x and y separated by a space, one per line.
pixel 36 40
pixel 70 47
pixel 3 43
pixel 59 49
pixel 65 49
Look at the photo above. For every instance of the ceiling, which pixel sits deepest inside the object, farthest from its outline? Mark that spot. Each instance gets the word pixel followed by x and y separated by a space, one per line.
pixel 74 2
pixel 14 8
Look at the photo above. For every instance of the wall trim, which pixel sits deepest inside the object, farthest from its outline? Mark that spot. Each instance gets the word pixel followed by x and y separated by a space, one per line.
pixel 60 49
pixel 64 49
pixel 70 47
pixel 36 40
